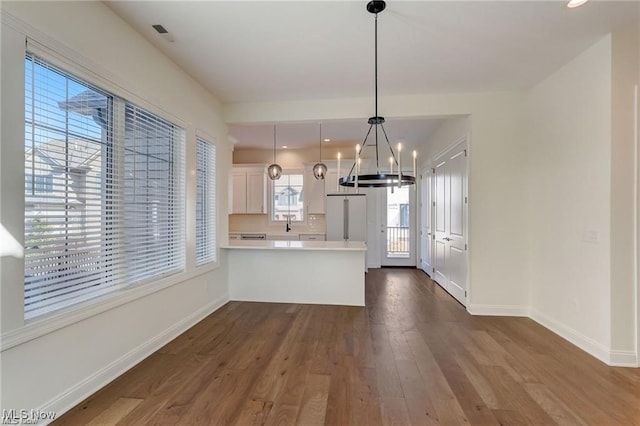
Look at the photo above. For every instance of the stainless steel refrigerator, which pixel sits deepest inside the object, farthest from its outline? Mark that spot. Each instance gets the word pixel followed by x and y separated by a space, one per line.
pixel 346 217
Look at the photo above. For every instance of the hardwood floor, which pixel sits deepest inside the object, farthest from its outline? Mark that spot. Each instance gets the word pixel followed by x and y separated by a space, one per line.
pixel 412 356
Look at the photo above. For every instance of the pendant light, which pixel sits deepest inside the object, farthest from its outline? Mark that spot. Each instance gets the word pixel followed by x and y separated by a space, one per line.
pixel 320 169
pixel 274 170
pixel 378 179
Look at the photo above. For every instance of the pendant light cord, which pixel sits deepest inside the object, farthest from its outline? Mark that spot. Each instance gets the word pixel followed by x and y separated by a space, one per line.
pixel 274 144
pixel 376 88
pixel 320 142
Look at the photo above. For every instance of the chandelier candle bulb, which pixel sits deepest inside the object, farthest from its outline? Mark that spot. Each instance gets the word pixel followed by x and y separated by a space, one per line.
pixel 357 165
pixel 415 156
pixel 338 177
pixel 399 165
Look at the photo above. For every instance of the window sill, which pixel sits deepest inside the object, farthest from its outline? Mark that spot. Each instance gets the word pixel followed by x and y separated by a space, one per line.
pixel 48 323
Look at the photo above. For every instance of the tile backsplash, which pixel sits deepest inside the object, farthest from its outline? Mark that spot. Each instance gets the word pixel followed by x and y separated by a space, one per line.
pixel 260 223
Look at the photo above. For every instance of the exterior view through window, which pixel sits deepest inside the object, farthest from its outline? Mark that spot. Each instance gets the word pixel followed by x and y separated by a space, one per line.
pixel 103 191
pixel 288 199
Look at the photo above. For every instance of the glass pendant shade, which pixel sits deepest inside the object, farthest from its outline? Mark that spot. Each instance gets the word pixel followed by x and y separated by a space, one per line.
pixel 319 171
pixel 274 171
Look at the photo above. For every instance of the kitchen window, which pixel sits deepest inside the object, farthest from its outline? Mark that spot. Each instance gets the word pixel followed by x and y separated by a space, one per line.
pixel 205 201
pixel 104 192
pixel 287 203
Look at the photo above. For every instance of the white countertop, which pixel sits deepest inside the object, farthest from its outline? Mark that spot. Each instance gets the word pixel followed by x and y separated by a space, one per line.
pixel 296 245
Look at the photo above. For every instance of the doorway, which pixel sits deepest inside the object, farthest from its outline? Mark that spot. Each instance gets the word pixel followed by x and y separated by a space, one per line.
pixel 450 230
pixel 397 226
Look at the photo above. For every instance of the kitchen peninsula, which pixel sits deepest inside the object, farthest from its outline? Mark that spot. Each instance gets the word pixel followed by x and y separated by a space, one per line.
pixel 313 272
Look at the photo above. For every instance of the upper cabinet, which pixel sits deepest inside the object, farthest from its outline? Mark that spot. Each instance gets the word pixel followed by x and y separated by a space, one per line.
pixel 315 193
pixel 249 190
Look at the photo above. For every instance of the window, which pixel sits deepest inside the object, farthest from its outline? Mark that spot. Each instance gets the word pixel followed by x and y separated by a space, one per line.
pixel 103 191
pixel 287 202
pixel 153 187
pixel 38 183
pixel 404 215
pixel 205 202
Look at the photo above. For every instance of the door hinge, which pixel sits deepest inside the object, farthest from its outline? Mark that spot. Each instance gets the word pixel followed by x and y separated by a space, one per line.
pixel 465 293
pixel 433 171
pixel 433 270
pixel 434 203
pixel 465 152
pixel 465 200
pixel 465 247
pixel 433 237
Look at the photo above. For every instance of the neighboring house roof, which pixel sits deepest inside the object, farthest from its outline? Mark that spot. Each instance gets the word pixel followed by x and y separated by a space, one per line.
pixel 82 155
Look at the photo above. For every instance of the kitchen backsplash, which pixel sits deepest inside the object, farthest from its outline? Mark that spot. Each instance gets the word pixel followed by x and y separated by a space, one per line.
pixel 315 224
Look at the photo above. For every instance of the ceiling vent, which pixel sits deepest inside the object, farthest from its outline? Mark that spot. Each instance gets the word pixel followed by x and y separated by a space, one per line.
pixel 163 32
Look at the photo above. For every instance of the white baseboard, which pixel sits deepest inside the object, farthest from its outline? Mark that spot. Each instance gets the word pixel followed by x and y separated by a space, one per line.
pixel 77 393
pixel 498 310
pixel 623 359
pixel 583 342
pixel 599 351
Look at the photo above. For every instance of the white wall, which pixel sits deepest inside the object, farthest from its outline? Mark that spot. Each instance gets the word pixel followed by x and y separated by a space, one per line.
pixel 497 176
pixel 449 132
pixel 625 76
pixel 53 363
pixel 582 183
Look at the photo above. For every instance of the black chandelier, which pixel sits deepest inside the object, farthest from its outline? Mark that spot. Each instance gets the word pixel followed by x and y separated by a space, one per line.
pixel 378 179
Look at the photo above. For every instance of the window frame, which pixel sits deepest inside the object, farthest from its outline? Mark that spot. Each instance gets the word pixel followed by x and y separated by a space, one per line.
pixel 128 291
pixel 272 199
pixel 214 262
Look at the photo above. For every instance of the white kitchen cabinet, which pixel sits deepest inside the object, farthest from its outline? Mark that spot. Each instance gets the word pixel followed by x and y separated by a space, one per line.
pixel 256 192
pixel 312 237
pixel 332 178
pixel 314 194
pixel 239 191
pixel 249 191
pixel 330 181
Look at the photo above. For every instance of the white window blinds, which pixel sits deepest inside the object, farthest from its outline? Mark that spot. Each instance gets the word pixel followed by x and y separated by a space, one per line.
pixel 104 191
pixel 153 195
pixel 205 202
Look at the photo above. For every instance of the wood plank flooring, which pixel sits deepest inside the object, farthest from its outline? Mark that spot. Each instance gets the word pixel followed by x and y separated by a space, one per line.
pixel 411 356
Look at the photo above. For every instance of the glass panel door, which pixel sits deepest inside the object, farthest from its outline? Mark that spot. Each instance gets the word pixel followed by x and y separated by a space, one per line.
pixel 398 226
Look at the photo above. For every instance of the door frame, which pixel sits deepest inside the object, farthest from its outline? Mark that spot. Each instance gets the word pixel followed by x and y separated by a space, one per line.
pixel 425 261
pixel 412 261
pixel 464 141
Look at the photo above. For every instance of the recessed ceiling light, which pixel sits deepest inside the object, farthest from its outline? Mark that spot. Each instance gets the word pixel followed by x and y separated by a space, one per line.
pixel 576 3
pixel 326 140
pixel 285 146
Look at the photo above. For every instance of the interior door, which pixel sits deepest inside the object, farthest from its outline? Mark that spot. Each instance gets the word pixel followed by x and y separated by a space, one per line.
pixel 440 274
pixel 450 222
pixel 397 226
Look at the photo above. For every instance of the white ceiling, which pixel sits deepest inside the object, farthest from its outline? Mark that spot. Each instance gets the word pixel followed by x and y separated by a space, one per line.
pixel 246 51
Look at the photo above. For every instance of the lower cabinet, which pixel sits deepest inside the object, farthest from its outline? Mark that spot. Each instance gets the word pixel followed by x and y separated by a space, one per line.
pixel 312 237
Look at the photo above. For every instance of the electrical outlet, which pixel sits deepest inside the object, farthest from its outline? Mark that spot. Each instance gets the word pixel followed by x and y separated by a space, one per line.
pixel 591 236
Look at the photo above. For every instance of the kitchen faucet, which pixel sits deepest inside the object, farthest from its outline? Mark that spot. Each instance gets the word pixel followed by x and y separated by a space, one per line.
pixel 288 227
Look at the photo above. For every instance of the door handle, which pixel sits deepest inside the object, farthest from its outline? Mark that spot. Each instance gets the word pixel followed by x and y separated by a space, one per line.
pixel 447 238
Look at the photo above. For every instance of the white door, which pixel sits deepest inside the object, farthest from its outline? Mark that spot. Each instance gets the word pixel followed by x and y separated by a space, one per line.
pixel 450 222
pixel 426 264
pixel 397 226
